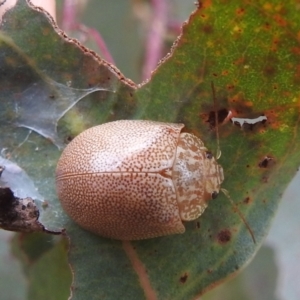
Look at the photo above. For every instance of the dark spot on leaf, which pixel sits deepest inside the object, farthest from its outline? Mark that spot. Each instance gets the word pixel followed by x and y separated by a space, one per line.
pixel 209 271
pixel 221 113
pixel 207 29
pixel 214 74
pixel 265 179
pixel 247 166
pixel 184 278
pixel 230 87
pixel 269 70
pixel 247 200
pixel 267 26
pixel 240 11
pixel 68 139
pixel 198 225
pixel 224 236
pixel 266 162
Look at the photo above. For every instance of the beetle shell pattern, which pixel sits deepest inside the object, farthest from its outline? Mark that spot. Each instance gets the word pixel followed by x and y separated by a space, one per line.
pixel 134 179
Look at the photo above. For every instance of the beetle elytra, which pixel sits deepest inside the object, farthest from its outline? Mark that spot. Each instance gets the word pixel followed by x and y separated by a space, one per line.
pixel 134 179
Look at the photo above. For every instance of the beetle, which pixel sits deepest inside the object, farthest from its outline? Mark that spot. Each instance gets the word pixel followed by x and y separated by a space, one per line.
pixel 136 179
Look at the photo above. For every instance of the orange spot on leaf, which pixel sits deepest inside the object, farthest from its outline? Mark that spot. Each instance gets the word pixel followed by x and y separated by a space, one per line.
pixel 280 20
pixel 240 11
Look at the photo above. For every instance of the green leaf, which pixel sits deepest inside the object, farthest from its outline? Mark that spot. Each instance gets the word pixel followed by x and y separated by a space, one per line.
pixel 13 282
pixel 251 53
pixel 45 264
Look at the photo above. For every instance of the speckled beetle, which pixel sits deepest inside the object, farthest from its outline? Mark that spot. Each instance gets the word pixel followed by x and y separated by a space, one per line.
pixel 132 179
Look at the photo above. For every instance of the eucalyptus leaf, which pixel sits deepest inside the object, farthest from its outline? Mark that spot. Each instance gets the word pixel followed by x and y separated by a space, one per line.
pixel 250 51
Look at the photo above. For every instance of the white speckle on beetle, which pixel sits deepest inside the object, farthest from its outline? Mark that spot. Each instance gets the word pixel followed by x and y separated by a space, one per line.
pixel 131 179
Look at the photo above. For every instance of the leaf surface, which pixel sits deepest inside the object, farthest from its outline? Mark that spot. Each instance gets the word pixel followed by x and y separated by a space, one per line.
pixel 250 51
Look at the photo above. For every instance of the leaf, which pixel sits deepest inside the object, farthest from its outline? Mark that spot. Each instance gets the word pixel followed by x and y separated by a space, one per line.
pixel 251 53
pixel 54 99
pixel 44 261
pixel 13 282
pixel 247 285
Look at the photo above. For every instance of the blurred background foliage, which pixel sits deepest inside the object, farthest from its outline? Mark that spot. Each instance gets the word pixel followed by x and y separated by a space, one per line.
pixel 273 274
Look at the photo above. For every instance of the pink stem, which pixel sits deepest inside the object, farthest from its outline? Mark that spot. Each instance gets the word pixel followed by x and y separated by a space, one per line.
pixel 69 16
pixel 154 42
pixel 69 22
pixel 96 36
pixel 175 27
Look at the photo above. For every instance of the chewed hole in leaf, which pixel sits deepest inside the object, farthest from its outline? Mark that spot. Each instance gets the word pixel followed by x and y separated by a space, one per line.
pixel 266 162
pixel 222 115
pixel 17 180
pixel 184 278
